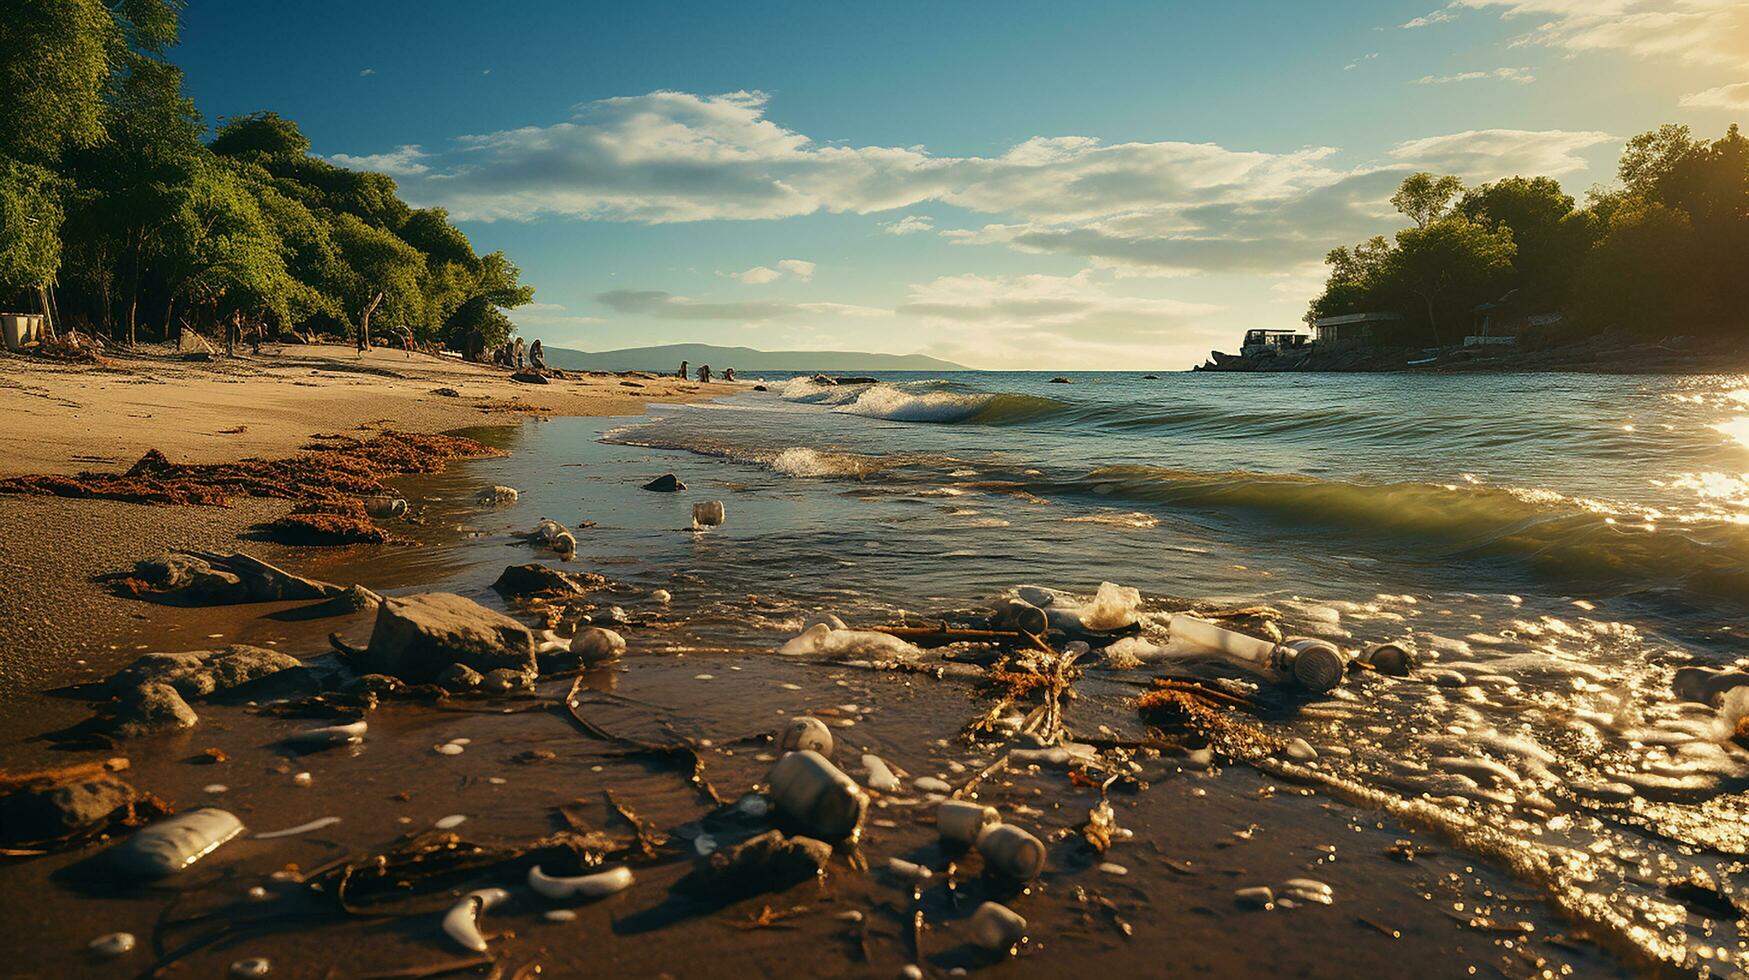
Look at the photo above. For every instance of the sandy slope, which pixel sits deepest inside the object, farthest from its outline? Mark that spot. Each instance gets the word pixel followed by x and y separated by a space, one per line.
pixel 66 418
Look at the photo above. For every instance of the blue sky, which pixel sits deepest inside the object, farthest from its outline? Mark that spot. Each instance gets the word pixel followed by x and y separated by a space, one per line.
pixel 1008 185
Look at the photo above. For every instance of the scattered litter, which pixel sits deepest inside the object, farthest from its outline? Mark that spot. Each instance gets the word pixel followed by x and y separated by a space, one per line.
pixel 1255 898
pixel 113 944
pixel 707 514
pixel 328 736
pixel 997 928
pixel 807 733
pixel 175 843
pixel 302 828
pixel 1010 851
pixel 813 792
pixel 462 922
pixel 584 886
pixel 963 822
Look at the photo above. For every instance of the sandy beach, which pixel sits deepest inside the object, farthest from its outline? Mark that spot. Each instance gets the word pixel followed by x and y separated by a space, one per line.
pixel 70 418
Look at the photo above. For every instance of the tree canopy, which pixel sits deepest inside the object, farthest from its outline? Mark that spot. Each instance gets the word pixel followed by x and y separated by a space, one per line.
pixel 111 191
pixel 1662 252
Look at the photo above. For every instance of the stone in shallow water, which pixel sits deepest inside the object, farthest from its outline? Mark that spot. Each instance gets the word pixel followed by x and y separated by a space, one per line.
pixel 416 637
pixel 151 709
pixel 666 483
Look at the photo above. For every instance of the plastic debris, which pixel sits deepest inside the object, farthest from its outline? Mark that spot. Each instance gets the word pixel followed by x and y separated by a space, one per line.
pixel 813 792
pixel 596 885
pixel 707 513
pixel 997 928
pixel 462 922
pixel 113 944
pixel 1012 852
pixel 175 843
pixel 963 822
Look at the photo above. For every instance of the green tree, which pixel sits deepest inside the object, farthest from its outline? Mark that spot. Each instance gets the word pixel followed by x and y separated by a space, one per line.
pixel 30 227
pixel 1650 157
pixel 1358 279
pixel 1424 198
pixel 260 137
pixel 56 57
pixel 1450 265
pixel 1551 237
pixel 382 273
pixel 1640 276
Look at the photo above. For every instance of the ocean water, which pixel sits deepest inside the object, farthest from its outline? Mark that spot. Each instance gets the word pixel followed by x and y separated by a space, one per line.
pixel 1554 546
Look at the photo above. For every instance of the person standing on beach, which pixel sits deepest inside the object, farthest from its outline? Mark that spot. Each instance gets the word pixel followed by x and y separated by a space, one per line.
pixel 519 353
pixel 704 374
pixel 728 374
pixel 537 356
pixel 681 374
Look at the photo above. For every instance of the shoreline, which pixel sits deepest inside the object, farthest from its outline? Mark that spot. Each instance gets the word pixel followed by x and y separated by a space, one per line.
pixel 1200 832
pixel 1577 358
pixel 82 417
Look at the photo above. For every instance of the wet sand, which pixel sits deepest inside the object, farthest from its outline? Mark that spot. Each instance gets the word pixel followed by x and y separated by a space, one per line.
pixel 1198 835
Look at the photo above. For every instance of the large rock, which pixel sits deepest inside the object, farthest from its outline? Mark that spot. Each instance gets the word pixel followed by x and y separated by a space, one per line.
pixel 208 579
pixel 152 709
pixel 200 673
pixel 417 637
pixel 666 483
pixel 56 809
pixel 536 579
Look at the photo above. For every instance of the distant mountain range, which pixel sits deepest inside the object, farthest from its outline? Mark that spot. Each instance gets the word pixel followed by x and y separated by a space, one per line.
pixel 667 358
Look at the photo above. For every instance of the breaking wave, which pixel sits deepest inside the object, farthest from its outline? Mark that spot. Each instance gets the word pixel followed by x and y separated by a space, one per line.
pixel 905 402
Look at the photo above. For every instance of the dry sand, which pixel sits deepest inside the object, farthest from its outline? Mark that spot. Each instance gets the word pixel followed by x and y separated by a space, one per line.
pixel 67 418
pixel 63 418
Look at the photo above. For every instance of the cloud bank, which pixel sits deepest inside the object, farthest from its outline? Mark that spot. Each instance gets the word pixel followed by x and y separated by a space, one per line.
pixel 1165 207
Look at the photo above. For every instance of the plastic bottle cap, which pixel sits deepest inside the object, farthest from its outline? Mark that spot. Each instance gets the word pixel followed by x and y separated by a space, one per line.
pixel 1318 668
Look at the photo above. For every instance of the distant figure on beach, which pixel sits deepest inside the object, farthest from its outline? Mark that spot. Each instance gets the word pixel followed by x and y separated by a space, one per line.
pixel 728 374
pixel 407 340
pixel 681 374
pixel 233 332
pixel 520 353
pixel 537 355
pixel 704 373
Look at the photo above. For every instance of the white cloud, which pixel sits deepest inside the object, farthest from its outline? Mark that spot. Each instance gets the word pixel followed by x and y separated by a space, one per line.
pixel 910 224
pixel 1162 207
pixel 1488 153
pixel 1723 97
pixel 1441 16
pixel 367 72
pixel 1356 63
pixel 1520 75
pixel 1690 32
pixel 759 275
pixel 402 161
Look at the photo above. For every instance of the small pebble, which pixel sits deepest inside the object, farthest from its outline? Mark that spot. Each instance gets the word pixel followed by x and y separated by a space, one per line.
pixel 449 748
pixel 560 915
pixel 214 788
pixel 497 780
pixel 453 820
pixel 930 784
pixel 704 677
pixel 303 779
pixel 1301 750
pixel 1114 869
pixel 116 944
pixel 912 972
pixel 1199 758
pixel 461 741
pixel 254 966
pixel 705 845
pixel 853 915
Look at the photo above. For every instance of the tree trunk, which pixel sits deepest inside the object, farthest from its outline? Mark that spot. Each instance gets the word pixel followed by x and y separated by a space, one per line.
pixel 1433 322
pixel 364 321
pixel 169 309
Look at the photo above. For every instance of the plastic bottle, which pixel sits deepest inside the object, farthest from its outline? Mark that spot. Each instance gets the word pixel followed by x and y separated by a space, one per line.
pixel 805 732
pixel 816 794
pixel 1394 659
pixel 1013 852
pixel 1313 664
pixel 963 821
